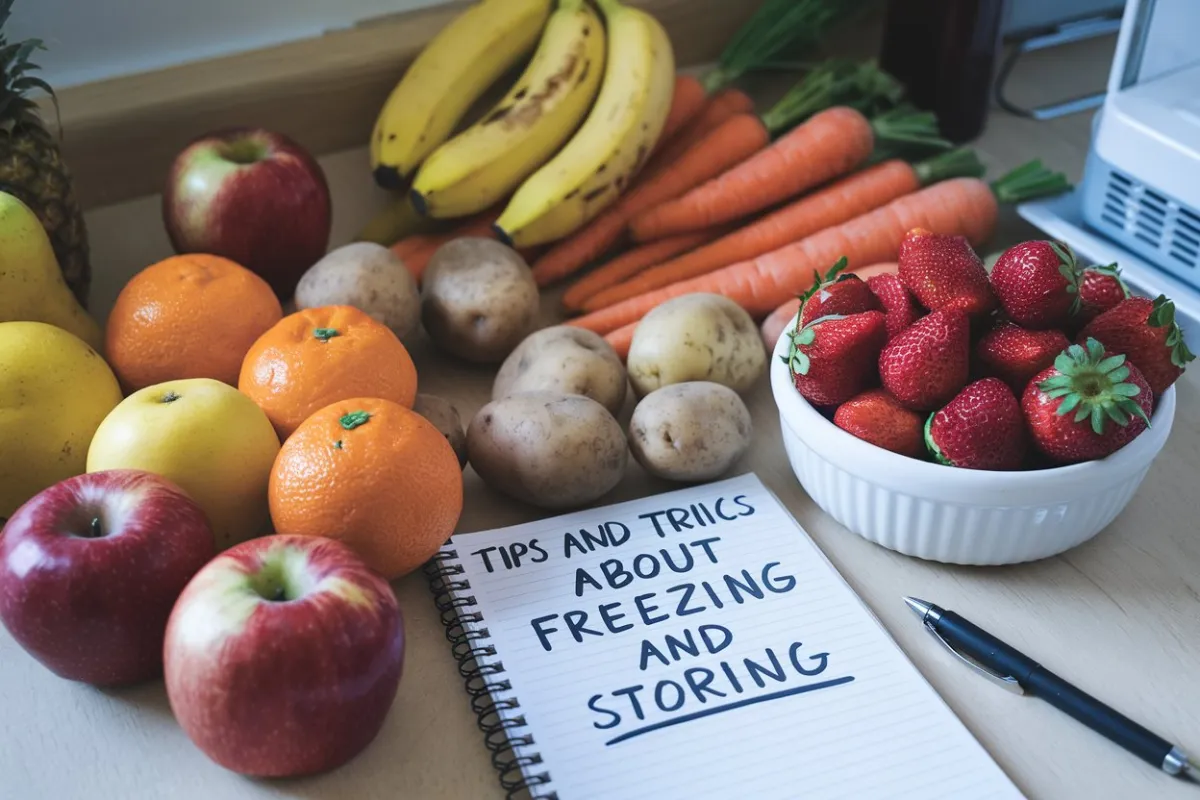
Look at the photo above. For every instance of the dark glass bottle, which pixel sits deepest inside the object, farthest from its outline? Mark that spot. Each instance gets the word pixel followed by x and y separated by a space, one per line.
pixel 944 52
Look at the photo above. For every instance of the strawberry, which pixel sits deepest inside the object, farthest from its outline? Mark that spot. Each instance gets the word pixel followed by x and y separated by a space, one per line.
pixel 1100 288
pixel 836 293
pixel 944 272
pixel 981 428
pixel 1088 405
pixel 897 302
pixel 833 358
pixel 1145 330
pixel 928 363
pixel 876 417
pixel 1038 284
pixel 1014 354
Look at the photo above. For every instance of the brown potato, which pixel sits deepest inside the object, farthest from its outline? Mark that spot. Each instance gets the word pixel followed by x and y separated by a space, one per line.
pixel 445 417
pixel 478 299
pixel 548 449
pixel 693 431
pixel 369 277
pixel 696 337
pixel 564 359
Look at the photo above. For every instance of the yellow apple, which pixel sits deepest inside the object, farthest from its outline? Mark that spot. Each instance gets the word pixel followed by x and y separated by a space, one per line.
pixel 54 391
pixel 204 435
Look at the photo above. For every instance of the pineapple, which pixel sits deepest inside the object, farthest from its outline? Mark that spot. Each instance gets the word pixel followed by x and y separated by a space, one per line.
pixel 31 165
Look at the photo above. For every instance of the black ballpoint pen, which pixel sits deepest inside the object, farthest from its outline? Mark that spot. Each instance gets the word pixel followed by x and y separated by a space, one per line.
pixel 1017 672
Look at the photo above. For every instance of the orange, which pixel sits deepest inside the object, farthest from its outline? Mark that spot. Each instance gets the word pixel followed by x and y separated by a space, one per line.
pixel 374 475
pixel 188 316
pixel 320 355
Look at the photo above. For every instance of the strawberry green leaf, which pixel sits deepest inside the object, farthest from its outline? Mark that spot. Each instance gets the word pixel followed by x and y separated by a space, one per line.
pixel 1111 363
pixel 1127 389
pixel 1117 415
pixel 1162 315
pixel 1098 418
pixel 1068 404
pixel 1119 374
pixel 1082 413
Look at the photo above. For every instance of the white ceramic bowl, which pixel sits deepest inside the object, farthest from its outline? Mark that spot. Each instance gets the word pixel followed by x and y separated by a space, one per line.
pixel 959 516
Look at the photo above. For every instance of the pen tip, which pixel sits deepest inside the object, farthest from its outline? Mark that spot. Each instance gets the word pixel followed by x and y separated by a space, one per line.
pixel 919 607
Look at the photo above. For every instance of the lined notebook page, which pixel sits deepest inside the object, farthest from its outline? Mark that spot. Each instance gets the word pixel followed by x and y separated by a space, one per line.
pixel 698 644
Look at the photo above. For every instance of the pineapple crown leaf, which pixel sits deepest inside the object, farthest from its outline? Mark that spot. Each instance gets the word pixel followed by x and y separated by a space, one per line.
pixel 1162 315
pixel 820 281
pixel 17 80
pixel 1094 386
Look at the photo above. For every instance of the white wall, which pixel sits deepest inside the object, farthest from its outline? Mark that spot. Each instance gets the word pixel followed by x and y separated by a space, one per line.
pixel 93 39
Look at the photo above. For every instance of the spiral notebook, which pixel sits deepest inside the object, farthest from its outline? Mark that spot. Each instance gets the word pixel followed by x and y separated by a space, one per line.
pixel 693 644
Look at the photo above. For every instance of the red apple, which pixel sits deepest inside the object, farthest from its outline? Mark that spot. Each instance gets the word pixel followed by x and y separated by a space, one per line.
pixel 253 196
pixel 91 567
pixel 283 656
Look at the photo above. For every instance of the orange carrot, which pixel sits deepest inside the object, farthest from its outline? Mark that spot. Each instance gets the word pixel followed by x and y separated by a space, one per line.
pixel 718 108
pixel 733 141
pixel 829 144
pixel 832 205
pixel 628 264
pixel 621 339
pixel 963 206
pixel 772 327
pixel 686 102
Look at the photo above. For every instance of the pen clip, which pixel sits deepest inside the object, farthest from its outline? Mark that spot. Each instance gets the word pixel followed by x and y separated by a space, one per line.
pixel 1003 681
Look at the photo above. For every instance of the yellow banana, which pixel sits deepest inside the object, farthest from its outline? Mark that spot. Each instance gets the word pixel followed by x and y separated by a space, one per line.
pixel 612 144
pixel 455 68
pixel 483 164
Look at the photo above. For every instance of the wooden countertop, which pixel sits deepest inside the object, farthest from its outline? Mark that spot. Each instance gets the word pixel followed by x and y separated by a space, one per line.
pixel 1120 615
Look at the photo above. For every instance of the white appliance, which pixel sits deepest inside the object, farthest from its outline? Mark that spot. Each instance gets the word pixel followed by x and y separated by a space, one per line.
pixel 1139 201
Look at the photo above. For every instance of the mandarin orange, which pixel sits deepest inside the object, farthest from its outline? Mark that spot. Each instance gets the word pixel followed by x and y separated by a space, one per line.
pixel 188 316
pixel 371 474
pixel 318 356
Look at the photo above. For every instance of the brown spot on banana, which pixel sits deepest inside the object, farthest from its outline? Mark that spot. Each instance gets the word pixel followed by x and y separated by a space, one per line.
pixel 531 109
pixel 594 193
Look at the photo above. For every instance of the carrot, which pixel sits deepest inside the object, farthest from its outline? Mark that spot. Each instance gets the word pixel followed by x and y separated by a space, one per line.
pixel 687 102
pixel 718 108
pixel 732 141
pixel 772 327
pixel 828 145
pixel 959 206
pixel 837 203
pixel 628 264
pixel 621 339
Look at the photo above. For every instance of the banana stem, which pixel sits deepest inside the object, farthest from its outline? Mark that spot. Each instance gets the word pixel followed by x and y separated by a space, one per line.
pixel 609 7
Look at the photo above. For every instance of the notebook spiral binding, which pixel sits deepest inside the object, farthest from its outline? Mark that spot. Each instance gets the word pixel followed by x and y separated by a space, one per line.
pixel 505 732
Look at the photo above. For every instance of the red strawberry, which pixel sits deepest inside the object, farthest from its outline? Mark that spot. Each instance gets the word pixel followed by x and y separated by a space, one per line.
pixel 875 416
pixel 1014 355
pixel 833 359
pixel 1037 283
pixel 981 428
pixel 944 272
pixel 927 364
pixel 1145 331
pixel 1088 405
pixel 836 294
pixel 897 302
pixel 1100 288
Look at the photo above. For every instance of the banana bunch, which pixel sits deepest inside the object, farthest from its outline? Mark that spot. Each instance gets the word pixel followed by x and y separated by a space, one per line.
pixel 612 144
pixel 567 137
pixel 457 66
pixel 483 164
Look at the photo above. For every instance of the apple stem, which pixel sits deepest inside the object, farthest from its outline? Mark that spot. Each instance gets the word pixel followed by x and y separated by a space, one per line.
pixel 96 531
pixel 280 594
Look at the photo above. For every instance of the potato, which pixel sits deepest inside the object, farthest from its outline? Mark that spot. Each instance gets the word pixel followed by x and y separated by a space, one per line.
pixel 478 299
pixel 696 337
pixel 692 431
pixel 369 277
pixel 549 449
pixel 444 416
pixel 564 359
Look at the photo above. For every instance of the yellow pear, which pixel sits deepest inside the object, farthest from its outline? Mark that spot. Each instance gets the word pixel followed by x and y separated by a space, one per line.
pixel 54 392
pixel 32 288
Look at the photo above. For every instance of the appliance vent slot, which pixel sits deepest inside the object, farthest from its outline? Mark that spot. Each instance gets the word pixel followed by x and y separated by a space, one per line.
pixel 1119 179
pixel 1115 221
pixel 1189 222
pixel 1150 240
